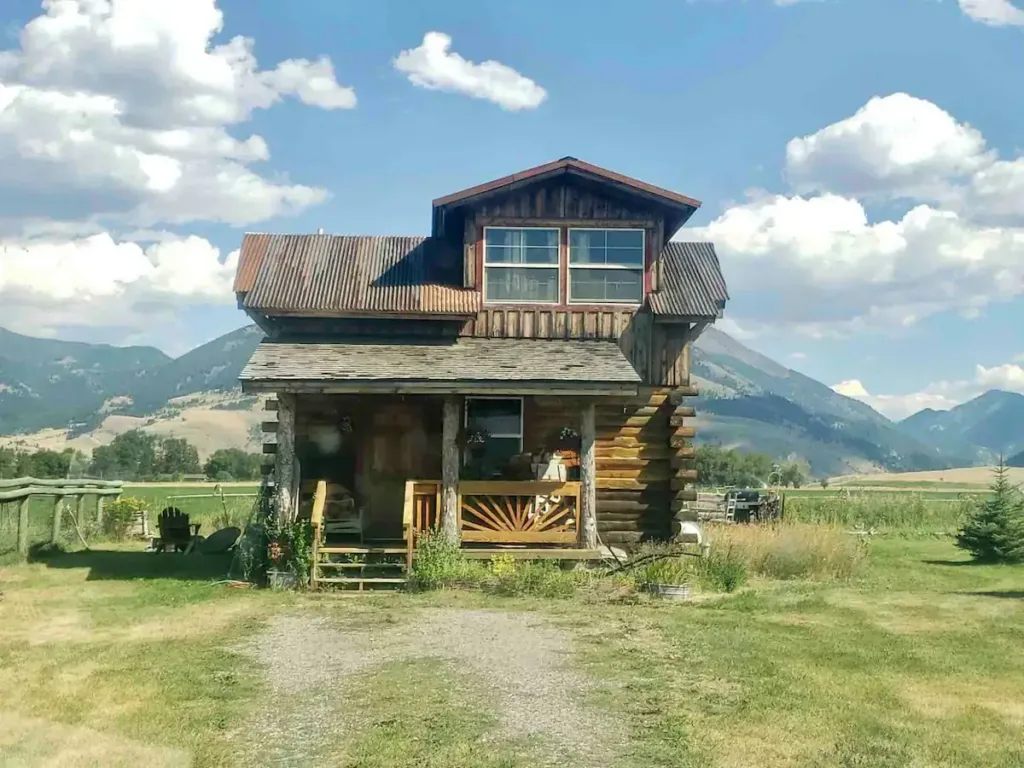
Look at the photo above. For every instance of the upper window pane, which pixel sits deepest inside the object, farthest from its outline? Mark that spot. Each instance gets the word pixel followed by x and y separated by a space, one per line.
pixel 495 417
pixel 521 246
pixel 606 247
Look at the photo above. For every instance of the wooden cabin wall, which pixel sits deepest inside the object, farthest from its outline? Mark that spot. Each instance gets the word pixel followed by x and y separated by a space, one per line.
pixel 644 457
pixel 393 439
pixel 559 201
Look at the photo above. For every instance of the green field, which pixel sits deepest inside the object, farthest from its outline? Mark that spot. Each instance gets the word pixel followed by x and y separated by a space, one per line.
pixel 116 658
pixel 210 511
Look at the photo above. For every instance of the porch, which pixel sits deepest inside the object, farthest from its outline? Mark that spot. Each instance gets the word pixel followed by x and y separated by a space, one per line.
pixel 522 519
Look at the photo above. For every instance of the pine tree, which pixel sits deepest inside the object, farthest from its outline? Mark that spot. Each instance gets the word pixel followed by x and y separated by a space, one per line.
pixel 994 532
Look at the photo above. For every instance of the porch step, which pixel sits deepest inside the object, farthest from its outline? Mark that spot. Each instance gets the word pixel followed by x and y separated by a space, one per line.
pixel 362 565
pixel 352 550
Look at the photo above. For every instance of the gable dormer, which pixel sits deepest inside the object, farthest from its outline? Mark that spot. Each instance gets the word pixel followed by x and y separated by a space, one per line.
pixel 565 234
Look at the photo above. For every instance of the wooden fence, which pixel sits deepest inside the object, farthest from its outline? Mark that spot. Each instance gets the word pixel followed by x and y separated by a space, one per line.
pixel 23 489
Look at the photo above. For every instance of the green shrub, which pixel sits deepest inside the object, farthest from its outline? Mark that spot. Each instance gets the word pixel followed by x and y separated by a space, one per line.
pixel 543 578
pixel 440 563
pixel 994 532
pixel 723 569
pixel 119 516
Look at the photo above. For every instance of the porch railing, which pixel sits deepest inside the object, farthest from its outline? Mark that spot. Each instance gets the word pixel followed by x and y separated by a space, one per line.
pixel 500 511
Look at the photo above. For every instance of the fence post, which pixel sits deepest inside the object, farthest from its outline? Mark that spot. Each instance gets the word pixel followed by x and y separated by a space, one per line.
pixel 80 512
pixel 58 511
pixel 23 526
pixel 99 511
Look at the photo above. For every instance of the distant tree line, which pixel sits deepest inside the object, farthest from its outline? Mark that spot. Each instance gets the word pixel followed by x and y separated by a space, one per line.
pixel 717 466
pixel 133 455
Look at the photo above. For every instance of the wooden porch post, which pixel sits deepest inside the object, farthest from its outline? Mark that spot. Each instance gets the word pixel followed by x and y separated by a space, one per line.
pixel 450 469
pixel 284 469
pixel 588 479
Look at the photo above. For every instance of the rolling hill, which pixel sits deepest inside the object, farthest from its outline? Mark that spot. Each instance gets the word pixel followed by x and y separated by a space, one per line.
pixel 46 384
pixel 747 401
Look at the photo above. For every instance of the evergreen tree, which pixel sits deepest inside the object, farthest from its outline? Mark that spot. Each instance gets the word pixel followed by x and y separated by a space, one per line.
pixel 994 532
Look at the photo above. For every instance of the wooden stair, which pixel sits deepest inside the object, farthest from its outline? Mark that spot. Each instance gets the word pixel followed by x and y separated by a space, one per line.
pixel 367 566
pixel 354 566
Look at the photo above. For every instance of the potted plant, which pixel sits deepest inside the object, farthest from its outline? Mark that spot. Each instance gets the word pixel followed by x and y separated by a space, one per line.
pixel 280 575
pixel 566 444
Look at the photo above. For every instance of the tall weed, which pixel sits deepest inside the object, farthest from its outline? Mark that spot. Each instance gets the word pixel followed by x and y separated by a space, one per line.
pixel 892 512
pixel 792 550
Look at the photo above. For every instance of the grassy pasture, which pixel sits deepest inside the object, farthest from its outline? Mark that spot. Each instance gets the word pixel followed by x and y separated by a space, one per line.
pixel 113 657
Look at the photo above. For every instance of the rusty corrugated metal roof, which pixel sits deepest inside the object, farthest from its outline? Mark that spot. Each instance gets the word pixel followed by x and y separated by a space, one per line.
pixel 691 282
pixel 347 273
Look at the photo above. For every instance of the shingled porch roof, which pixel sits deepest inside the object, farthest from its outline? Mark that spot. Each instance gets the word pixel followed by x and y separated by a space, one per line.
pixel 465 366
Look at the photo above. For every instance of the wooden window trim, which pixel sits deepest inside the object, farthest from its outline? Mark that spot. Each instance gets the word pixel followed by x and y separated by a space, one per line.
pixel 563 225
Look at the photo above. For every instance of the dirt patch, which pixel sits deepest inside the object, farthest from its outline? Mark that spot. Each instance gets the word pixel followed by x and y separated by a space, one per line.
pixel 519 661
pixel 27 741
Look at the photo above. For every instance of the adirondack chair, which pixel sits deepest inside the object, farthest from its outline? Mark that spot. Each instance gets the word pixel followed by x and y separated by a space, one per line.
pixel 176 531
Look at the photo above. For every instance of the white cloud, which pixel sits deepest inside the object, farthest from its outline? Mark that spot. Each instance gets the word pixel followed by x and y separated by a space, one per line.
pixel 819 265
pixel 995 13
pixel 825 267
pixel 851 388
pixel 896 145
pixel 126 116
pixel 940 396
pixel 47 284
pixel 120 111
pixel 433 65
pixel 798 356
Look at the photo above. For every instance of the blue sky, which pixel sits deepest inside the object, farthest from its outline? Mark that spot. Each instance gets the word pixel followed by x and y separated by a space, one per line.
pixel 701 97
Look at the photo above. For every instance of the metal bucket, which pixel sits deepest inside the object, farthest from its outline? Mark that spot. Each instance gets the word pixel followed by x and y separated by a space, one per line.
pixel 671 591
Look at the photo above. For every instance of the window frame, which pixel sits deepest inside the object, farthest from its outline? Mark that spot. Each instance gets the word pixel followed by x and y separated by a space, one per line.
pixel 569 267
pixel 503 436
pixel 557 266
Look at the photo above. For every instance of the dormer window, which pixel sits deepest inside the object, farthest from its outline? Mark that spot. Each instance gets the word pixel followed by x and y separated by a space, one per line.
pixel 606 266
pixel 521 265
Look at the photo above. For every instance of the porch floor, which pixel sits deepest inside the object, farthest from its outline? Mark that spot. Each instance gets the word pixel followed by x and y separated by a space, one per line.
pixel 470 550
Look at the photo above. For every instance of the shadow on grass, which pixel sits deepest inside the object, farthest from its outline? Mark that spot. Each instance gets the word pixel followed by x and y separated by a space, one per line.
pixel 954 563
pixel 115 565
pixel 1008 594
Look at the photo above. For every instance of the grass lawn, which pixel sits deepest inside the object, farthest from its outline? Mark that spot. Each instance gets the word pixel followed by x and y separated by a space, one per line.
pixel 115 657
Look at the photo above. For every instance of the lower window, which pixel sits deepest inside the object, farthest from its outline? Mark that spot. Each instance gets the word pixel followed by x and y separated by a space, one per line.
pixel 494 434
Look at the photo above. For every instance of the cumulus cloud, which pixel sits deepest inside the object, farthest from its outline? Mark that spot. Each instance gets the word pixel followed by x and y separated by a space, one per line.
pixel 815 261
pixel 126 117
pixel 435 66
pixel 995 13
pixel 121 111
pixel 895 145
pixel 49 284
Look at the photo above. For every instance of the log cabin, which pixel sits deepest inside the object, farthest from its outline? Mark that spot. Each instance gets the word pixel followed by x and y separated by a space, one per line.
pixel 516 381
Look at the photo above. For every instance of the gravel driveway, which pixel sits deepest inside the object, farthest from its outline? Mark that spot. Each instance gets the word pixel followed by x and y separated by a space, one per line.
pixel 518 661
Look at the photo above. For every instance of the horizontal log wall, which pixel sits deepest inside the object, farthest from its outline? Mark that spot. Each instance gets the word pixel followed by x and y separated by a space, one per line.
pixel 645 467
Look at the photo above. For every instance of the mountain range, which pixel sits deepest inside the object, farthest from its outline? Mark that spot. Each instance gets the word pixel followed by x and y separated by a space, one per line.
pixel 747 401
